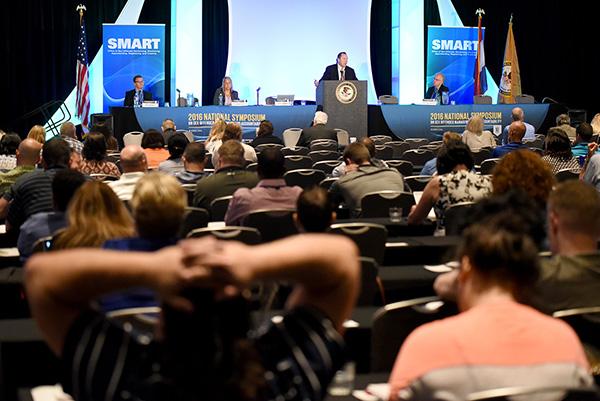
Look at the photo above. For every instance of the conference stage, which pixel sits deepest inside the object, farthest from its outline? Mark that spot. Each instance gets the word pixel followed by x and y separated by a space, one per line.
pixel 402 121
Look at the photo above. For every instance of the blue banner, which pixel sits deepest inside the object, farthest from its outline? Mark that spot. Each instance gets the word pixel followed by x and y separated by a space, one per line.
pixel 130 50
pixel 453 51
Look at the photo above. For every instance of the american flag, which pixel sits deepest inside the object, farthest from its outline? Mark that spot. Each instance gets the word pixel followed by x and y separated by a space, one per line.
pixel 83 88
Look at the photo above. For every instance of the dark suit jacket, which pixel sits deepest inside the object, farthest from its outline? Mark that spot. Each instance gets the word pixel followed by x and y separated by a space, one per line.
pixel 129 97
pixel 234 96
pixel 431 89
pixel 319 131
pixel 331 73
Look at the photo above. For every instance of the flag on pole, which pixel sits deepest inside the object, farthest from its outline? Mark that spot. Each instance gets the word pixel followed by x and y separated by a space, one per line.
pixel 83 88
pixel 479 74
pixel 510 82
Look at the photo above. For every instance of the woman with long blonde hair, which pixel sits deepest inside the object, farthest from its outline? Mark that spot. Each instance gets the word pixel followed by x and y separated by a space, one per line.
pixel 215 138
pixel 38 133
pixel 95 214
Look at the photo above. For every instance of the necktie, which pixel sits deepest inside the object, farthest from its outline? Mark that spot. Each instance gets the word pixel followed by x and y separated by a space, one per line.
pixel 342 78
pixel 139 98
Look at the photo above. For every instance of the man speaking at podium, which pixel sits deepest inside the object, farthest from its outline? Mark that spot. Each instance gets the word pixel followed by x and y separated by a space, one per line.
pixel 135 97
pixel 338 71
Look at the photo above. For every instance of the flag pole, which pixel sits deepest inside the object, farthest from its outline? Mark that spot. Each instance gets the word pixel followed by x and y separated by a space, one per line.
pixel 80 9
pixel 479 14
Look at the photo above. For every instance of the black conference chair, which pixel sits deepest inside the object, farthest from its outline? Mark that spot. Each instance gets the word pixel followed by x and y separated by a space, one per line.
pixel 394 322
pixel 295 151
pixel 260 148
pixel 487 166
pixel 297 162
pixel 247 235
pixel 304 178
pixel 416 143
pixel 322 155
pixel 417 182
pixel 371 287
pixel 194 217
pixel 328 182
pixel 380 139
pixel 324 144
pixel 189 190
pixel 384 152
pixel 480 155
pixel 378 204
pixel 418 157
pixel 370 238
pixel 252 167
pixel 326 166
pixel 273 224
pixel 567 174
pixel 455 217
pixel 218 208
pixel 399 148
pixel 585 321
pixel 404 167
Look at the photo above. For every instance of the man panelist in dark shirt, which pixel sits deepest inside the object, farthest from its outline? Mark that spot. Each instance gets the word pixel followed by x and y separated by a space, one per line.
pixel 338 71
pixel 438 88
pixel 137 96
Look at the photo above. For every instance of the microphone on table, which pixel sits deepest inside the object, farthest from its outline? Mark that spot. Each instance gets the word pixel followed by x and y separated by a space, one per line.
pixel 178 96
pixel 257 96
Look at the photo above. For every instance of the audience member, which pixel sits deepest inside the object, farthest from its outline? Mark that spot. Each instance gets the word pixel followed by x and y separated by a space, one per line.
pixel 571 279
pixel 317 131
pixel 158 207
pixel 430 167
pixel 9 143
pixel 524 170
pixel 215 137
pixel 340 170
pixel 168 129
pixel 233 132
pixel 584 136
pixel 153 144
pixel 112 145
pixel 176 147
pixel 516 130
pixel 475 137
pixel 495 341
pixel 194 161
pixel 94 215
pixel 205 351
pixel 32 192
pixel 558 151
pixel 563 121
pixel 315 210
pixel 362 178
pixel 27 157
pixel 94 158
pixel 454 184
pixel 595 123
pixel 228 177
pixel 590 172
pixel 518 115
pixel 38 133
pixel 69 134
pixel 134 165
pixel 271 192
pixel 64 185
pixel 264 135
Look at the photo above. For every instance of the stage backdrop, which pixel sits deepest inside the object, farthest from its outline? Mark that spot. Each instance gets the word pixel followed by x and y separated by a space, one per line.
pixel 452 51
pixel 129 50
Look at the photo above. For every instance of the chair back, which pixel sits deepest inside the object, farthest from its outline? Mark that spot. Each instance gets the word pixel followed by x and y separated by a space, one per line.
pixel 273 224
pixel 322 155
pixel 388 99
pixel 487 166
pixel 209 164
pixel 194 217
pixel 380 139
pixel 370 288
pixel 103 177
pixel 247 235
pixel 252 167
pixel 142 320
pixel 328 182
pixel 399 148
pixel 218 208
pixel 326 166
pixel 260 148
pixel 536 143
pixel 416 143
pixel 304 178
pixel 402 166
pixel 295 151
pixel 291 136
pixel 480 155
pixel 323 144
pixel 567 174
pixel 133 138
pixel 524 99
pixel 297 162
pixel 378 204
pixel 384 152
pixel 482 99
pixel 585 321
pixel 417 182
pixel 394 322
pixel 343 137
pixel 189 190
pixel 455 217
pixel 370 238
pixel 418 157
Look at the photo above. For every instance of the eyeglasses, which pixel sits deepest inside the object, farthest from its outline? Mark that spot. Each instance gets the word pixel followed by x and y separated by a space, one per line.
pixel 139 81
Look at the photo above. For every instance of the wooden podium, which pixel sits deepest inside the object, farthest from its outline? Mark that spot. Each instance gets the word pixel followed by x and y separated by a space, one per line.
pixel 345 102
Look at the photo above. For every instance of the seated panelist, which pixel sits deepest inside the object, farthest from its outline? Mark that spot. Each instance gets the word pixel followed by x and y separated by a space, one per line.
pixel 225 94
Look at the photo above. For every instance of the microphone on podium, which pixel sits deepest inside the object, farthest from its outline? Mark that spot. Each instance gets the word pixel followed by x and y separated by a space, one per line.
pixel 257 96
pixel 178 97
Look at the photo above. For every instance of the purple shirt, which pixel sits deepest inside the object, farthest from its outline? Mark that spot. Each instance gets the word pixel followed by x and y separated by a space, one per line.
pixel 268 194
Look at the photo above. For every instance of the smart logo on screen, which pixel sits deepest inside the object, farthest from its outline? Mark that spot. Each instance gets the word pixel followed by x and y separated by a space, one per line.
pixel 449 47
pixel 133 46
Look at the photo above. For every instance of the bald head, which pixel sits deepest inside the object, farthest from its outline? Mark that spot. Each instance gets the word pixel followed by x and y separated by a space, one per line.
pixel 133 159
pixel 28 152
pixel 518 114
pixel 516 131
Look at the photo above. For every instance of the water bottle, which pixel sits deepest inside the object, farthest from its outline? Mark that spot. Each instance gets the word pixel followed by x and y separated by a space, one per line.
pixel 190 99
pixel 445 97
pixel 220 99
